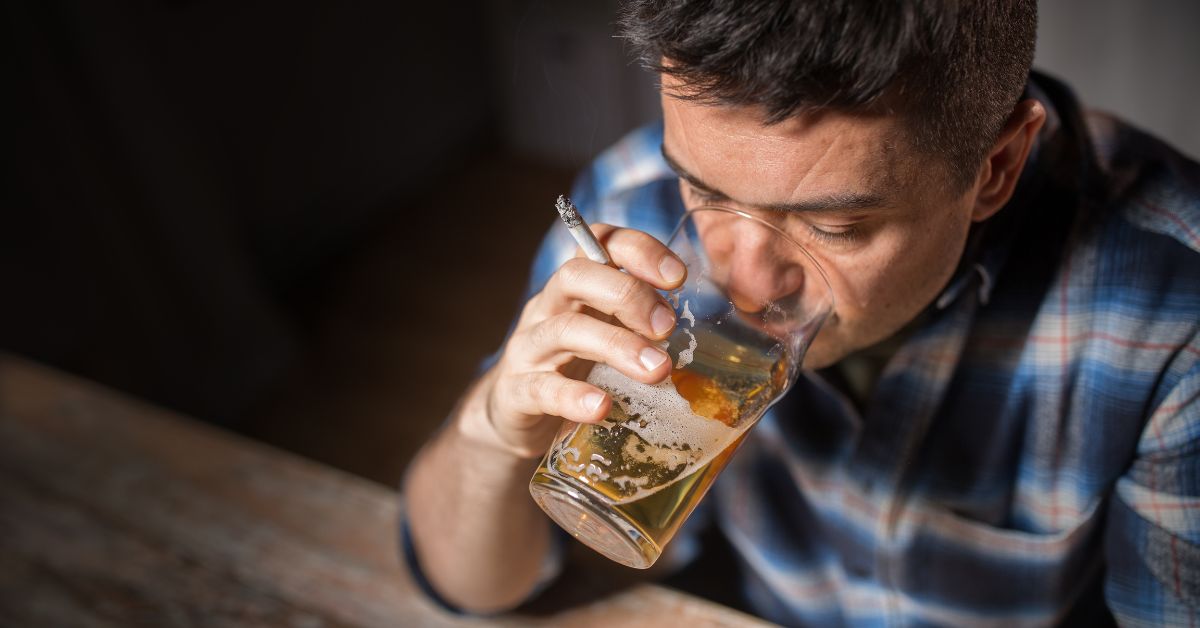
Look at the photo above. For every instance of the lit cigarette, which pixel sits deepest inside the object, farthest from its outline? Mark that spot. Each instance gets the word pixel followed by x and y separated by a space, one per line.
pixel 579 229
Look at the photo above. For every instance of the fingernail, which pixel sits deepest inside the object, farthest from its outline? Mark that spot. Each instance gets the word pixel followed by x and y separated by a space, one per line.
pixel 591 401
pixel 652 358
pixel 670 269
pixel 661 320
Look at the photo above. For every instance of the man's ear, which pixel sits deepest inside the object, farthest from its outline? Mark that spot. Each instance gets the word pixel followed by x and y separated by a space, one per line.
pixel 1002 167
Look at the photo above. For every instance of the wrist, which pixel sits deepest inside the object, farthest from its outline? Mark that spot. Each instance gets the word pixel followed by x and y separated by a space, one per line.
pixel 476 426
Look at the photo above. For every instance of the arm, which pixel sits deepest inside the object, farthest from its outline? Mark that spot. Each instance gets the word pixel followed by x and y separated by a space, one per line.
pixel 1153 537
pixel 468 506
pixel 478 535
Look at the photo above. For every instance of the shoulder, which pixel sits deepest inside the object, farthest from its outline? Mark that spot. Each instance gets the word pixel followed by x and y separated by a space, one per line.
pixel 1139 264
pixel 1151 186
pixel 1146 230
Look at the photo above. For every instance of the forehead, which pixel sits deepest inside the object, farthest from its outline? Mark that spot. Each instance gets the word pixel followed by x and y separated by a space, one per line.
pixel 733 150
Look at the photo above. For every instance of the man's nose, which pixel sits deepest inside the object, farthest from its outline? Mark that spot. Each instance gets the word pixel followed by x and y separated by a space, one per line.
pixel 762 269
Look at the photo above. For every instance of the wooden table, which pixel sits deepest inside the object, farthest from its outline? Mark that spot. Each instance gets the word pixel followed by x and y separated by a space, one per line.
pixel 114 512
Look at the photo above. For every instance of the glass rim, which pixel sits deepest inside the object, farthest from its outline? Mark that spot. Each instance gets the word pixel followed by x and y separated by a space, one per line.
pixel 783 234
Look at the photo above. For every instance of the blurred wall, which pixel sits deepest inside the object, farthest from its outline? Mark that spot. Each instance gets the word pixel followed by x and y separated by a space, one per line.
pixel 177 168
pixel 566 84
pixel 1140 60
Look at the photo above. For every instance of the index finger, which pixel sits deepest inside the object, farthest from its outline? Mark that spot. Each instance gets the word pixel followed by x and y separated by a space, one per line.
pixel 642 256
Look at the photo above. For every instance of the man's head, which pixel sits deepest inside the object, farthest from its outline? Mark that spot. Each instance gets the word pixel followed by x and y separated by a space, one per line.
pixel 951 70
pixel 875 132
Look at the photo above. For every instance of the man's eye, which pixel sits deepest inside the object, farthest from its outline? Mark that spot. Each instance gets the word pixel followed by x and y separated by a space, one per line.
pixel 834 235
pixel 703 197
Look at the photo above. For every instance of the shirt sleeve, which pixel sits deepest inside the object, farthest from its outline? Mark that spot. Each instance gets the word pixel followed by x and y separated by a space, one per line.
pixel 1152 542
pixel 551 566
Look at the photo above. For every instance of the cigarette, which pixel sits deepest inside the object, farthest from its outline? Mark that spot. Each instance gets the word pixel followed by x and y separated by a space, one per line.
pixel 579 229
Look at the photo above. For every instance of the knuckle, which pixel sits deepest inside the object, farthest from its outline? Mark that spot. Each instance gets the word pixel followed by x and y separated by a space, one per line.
pixel 521 338
pixel 527 391
pixel 552 333
pixel 626 290
pixel 572 272
pixel 557 327
pixel 615 339
pixel 546 388
pixel 571 321
pixel 635 310
pixel 544 334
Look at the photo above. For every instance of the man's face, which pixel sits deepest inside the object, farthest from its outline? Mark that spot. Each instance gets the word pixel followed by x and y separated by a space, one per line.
pixel 877 217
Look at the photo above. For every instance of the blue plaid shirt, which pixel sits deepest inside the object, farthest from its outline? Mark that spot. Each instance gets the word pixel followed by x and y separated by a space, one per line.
pixel 1031 454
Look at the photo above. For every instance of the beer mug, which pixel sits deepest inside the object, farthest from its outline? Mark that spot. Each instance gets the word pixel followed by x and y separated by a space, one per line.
pixel 752 302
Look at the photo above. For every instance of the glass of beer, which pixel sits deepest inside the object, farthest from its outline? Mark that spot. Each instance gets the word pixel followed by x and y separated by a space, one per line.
pixel 752 302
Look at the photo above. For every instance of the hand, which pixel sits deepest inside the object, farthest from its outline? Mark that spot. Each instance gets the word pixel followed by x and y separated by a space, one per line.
pixel 587 313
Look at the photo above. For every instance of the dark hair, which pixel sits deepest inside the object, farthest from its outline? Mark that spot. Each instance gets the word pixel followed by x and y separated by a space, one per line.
pixel 953 69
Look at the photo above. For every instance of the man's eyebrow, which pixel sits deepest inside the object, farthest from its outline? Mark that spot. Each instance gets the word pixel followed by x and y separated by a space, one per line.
pixel 828 202
pixel 692 179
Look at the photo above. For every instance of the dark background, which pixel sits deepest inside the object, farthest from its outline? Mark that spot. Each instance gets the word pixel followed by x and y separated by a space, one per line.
pixel 308 221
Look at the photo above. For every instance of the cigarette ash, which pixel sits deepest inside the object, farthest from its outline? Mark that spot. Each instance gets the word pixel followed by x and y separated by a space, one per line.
pixel 566 211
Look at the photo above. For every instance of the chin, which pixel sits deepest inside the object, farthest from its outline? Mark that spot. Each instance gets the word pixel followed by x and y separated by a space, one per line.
pixel 823 354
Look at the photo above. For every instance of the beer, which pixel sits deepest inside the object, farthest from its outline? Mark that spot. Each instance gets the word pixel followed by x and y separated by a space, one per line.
pixel 646 466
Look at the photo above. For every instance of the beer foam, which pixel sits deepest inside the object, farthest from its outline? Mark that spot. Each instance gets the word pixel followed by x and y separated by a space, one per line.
pixel 687 355
pixel 687 315
pixel 663 417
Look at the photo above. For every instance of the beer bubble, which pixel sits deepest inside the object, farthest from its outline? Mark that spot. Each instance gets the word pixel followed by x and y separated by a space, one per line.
pixel 597 472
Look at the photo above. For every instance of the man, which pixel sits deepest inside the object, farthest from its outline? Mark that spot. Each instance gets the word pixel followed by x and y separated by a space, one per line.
pixel 1002 422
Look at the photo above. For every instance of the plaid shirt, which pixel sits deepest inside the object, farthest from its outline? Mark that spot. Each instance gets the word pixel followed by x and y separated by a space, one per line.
pixel 1031 454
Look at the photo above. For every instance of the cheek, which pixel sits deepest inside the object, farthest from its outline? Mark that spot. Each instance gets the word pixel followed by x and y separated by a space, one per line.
pixel 940 257
pixel 862 281
pixel 898 273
